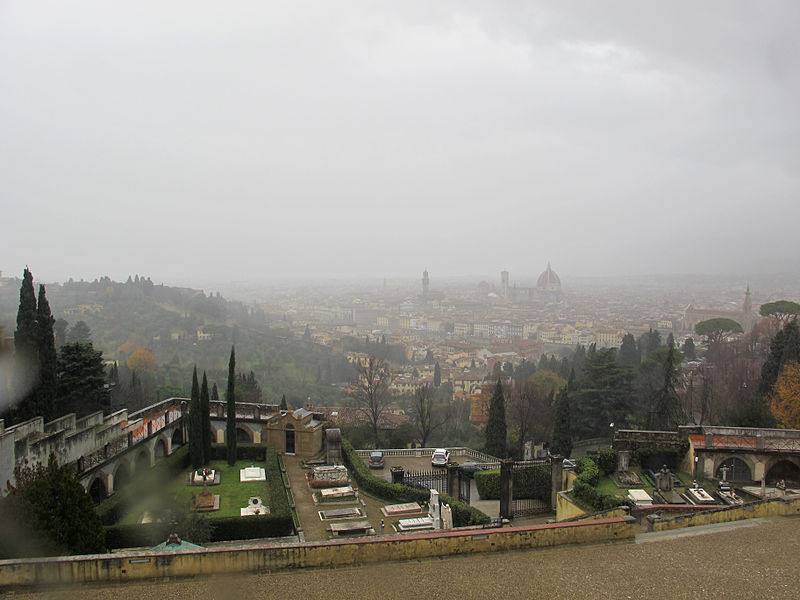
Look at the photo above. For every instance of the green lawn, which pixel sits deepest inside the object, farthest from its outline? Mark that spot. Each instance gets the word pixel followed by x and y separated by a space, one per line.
pixel 233 493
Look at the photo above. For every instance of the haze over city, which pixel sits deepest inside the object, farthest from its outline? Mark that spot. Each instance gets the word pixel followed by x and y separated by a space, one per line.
pixel 194 141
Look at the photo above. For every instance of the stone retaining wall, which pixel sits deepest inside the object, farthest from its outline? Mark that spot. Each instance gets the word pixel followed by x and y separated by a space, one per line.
pixel 777 507
pixel 135 566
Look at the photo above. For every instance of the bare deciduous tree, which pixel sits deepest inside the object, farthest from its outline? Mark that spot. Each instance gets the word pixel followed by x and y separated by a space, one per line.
pixel 370 392
pixel 423 413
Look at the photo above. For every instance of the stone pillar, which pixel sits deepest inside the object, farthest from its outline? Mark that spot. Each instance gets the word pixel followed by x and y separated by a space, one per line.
pixel 623 460
pixel 452 480
pixel 506 488
pixel 709 440
pixel 397 474
pixel 557 468
pixel 759 442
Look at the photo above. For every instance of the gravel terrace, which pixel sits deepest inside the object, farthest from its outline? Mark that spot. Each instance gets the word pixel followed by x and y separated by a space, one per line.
pixel 752 560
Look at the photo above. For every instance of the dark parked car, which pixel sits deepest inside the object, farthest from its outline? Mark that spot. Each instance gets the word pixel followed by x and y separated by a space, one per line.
pixel 471 467
pixel 376 460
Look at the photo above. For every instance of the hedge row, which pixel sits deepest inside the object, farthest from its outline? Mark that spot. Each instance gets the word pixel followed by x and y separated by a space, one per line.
pixel 463 514
pixel 243 452
pixel 534 483
pixel 276 524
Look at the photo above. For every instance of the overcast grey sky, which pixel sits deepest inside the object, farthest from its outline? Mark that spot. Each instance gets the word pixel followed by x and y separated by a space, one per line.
pixel 220 140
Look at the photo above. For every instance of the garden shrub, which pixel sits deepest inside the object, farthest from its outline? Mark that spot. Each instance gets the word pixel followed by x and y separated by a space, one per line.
pixel 607 459
pixel 584 489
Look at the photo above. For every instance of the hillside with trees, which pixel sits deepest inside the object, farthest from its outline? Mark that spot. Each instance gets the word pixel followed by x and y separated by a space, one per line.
pixel 150 337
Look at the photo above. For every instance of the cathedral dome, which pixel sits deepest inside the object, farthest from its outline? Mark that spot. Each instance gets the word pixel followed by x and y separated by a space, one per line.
pixel 548 279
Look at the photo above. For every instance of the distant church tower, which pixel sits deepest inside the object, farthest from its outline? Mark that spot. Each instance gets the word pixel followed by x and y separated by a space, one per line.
pixel 504 283
pixel 748 304
pixel 425 283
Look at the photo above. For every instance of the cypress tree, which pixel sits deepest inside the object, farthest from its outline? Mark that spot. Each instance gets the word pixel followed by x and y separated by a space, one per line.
pixel 496 427
pixel 562 430
pixel 195 423
pixel 26 340
pixel 205 421
pixel 628 354
pixel 48 359
pixel 214 393
pixel 437 375
pixel 284 406
pixel 230 422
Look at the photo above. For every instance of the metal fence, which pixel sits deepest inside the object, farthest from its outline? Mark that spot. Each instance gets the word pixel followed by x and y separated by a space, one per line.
pixel 532 487
pixel 427 480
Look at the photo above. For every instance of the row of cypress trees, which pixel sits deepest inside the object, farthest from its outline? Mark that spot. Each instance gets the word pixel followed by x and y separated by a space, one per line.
pixel 200 419
pixel 35 382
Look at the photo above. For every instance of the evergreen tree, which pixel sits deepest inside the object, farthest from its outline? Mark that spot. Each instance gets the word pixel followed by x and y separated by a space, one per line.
pixel 283 405
pixel 783 348
pixel 205 422
pixel 79 334
pixel 667 412
pixel 230 422
pixel 26 341
pixel 195 424
pixel 543 364
pixel 496 427
pixel 48 359
pixel 628 352
pixel 605 395
pixel 437 375
pixel 48 512
pixel 81 380
pixel 562 428
pixel 214 393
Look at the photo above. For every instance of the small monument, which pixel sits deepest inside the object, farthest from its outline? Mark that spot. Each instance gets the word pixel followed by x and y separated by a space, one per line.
pixel 447 517
pixel 664 480
pixel 435 509
pixel 204 476
pixel 254 507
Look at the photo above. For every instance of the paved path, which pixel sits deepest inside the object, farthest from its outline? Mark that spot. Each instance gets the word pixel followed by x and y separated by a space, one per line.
pixel 755 561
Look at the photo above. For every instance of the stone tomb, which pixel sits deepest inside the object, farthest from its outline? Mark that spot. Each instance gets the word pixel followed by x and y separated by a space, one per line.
pixel 351 512
pixel 640 497
pixel 699 496
pixel 399 510
pixel 432 521
pixel 254 507
pixel 204 477
pixel 329 473
pixel 205 501
pixel 352 528
pixel 252 474
pixel 415 524
pixel 337 493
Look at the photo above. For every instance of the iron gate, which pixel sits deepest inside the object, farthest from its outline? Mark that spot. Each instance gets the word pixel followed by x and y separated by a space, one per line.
pixel 439 480
pixel 427 480
pixel 532 487
pixel 464 486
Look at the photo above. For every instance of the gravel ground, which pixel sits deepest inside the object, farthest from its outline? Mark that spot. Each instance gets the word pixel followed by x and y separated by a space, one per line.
pixel 757 561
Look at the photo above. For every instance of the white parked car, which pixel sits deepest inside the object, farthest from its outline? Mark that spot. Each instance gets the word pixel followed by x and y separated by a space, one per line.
pixel 440 458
